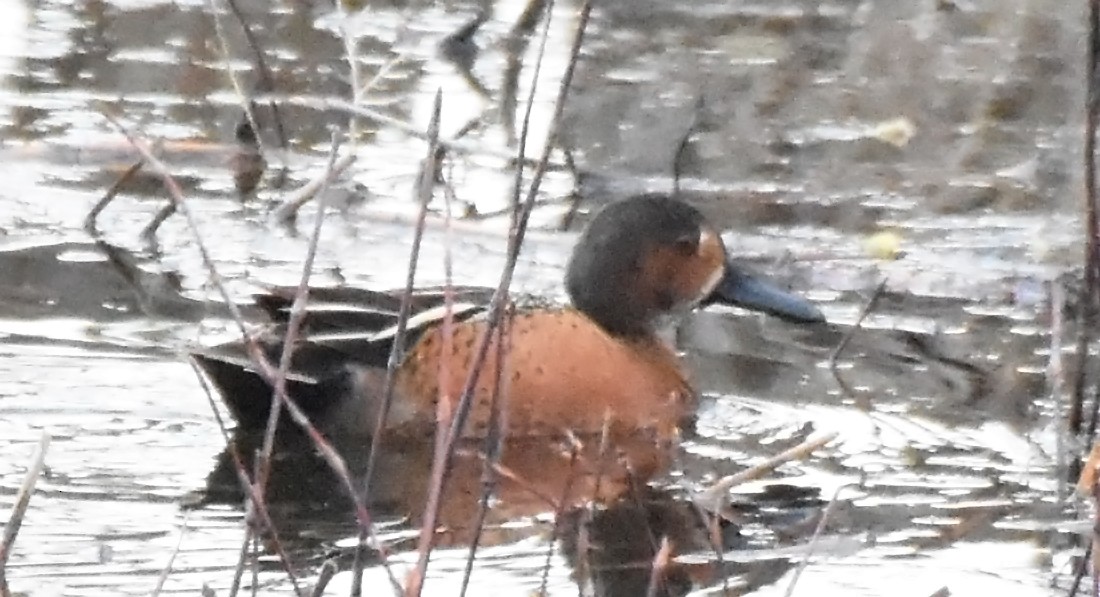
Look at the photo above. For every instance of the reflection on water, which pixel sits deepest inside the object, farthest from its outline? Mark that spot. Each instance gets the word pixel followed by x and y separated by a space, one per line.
pixel 946 444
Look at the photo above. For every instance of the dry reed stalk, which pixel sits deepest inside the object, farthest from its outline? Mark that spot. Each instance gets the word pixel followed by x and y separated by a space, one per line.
pixel 450 144
pixel 841 346
pixel 425 187
pixel 242 555
pixel 266 82
pixel 108 197
pixel 813 541
pixel 19 509
pixel 1088 296
pixel 263 367
pixel 234 81
pixel 575 449
pixel 291 202
pixel 1056 384
pixel 711 497
pixel 447 442
pixel 493 445
pixel 294 326
pixel 171 559
pixel 661 561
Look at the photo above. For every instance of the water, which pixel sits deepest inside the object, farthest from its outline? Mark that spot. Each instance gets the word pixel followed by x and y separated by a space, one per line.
pixel 954 128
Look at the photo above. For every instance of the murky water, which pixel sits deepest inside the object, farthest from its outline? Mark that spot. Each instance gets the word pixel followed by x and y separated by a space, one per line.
pixel 951 127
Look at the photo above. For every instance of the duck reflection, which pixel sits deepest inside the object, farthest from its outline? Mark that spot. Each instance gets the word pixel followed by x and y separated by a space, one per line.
pixel 610 526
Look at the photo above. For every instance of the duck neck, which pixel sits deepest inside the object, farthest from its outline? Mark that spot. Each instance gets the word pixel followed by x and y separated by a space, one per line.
pixel 637 332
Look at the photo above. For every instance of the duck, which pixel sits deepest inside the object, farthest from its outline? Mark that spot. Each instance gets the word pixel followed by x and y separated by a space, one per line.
pixel 597 364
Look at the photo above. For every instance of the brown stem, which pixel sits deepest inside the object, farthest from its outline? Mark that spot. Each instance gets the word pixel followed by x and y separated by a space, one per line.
pixel 22 500
pixel 847 339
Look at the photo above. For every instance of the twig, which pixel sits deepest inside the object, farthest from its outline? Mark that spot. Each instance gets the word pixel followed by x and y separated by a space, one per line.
pixel 257 508
pixel 450 144
pixel 528 20
pixel 251 505
pixel 397 349
pixel 171 559
pixel 320 444
pixel 660 564
pixel 713 523
pixel 324 576
pixel 256 567
pixel 495 435
pixel 383 71
pixel 1079 573
pixel 290 338
pixel 245 483
pixel 515 45
pixel 519 231
pixel 267 80
pixel 1056 383
pixel 209 392
pixel 149 233
pixel 710 498
pixel 1088 296
pixel 414 580
pixel 584 572
pixel 444 398
pixel 492 443
pixel 813 541
pixel 108 197
pixel 254 501
pixel 843 344
pixel 681 147
pixel 575 448
pixel 123 263
pixel 635 492
pixel 292 202
pixel 555 122
pixel 223 45
pixel 176 195
pixel 503 472
pixel 351 51
pixel 242 556
pixel 19 509
pixel 1095 492
pixel 294 325
pixel 575 197
pixel 499 300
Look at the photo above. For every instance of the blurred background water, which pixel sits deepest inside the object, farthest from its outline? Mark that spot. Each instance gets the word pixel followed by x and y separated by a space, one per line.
pixel 826 134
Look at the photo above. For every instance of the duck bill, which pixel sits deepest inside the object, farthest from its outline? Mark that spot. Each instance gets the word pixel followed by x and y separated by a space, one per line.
pixel 744 290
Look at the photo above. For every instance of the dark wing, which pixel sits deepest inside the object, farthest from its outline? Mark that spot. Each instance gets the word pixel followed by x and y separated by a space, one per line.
pixel 344 329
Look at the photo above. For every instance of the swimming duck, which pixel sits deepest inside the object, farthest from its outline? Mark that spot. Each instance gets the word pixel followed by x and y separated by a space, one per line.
pixel 639 262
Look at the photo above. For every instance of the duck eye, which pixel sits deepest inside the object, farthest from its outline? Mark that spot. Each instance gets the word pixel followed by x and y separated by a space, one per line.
pixel 688 244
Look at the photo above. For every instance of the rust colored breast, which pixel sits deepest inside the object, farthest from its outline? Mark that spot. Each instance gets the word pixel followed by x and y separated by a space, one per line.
pixel 562 372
